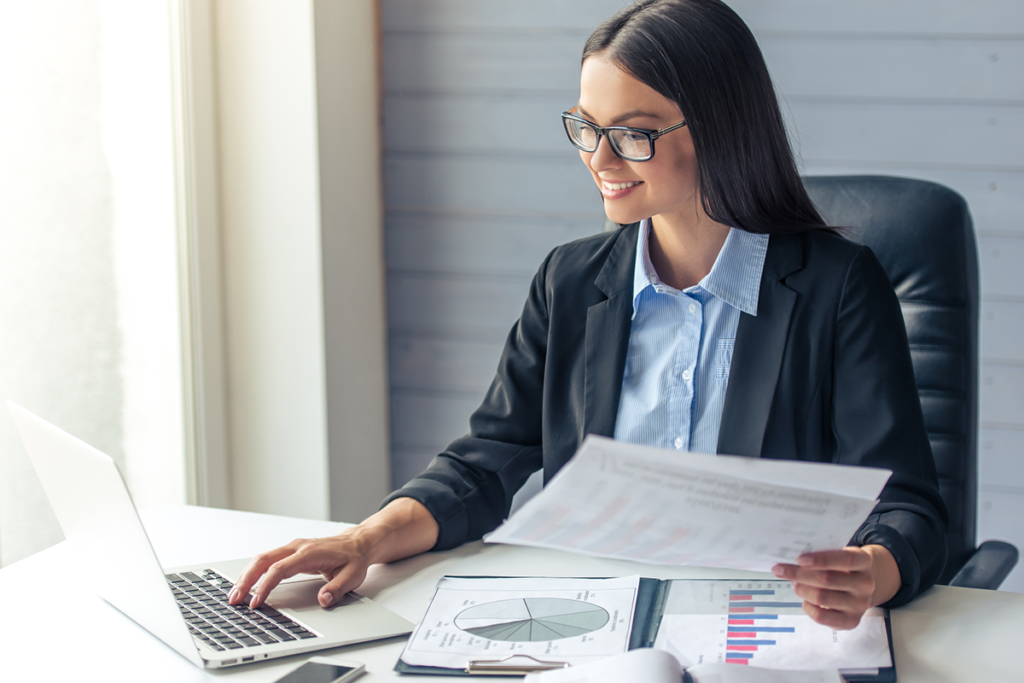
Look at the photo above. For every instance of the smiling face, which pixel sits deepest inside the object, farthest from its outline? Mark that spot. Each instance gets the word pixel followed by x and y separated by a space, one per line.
pixel 666 185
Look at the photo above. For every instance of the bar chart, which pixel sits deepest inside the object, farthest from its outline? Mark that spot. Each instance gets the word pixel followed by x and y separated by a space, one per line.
pixel 753 623
pixel 762 624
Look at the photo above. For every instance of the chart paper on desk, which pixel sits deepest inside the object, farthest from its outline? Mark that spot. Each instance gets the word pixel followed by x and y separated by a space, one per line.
pixel 762 624
pixel 650 505
pixel 551 619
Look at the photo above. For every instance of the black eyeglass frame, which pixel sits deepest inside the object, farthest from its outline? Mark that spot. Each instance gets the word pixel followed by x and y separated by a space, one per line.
pixel 651 135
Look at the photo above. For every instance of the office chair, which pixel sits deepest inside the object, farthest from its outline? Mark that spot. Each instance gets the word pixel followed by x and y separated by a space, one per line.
pixel 924 237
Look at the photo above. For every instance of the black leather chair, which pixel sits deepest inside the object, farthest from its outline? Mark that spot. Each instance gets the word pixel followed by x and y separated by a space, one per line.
pixel 923 235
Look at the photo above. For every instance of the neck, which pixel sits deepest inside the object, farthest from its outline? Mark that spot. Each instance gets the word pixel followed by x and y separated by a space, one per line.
pixel 683 251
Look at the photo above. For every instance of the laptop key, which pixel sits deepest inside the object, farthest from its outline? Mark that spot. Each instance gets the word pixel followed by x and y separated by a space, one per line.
pixel 249 642
pixel 264 638
pixel 233 645
pixel 306 634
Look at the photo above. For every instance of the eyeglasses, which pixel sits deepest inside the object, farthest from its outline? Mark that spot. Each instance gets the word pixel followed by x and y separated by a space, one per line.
pixel 631 144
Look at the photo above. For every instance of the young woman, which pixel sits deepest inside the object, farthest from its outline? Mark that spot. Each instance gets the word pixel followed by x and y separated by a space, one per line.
pixel 724 317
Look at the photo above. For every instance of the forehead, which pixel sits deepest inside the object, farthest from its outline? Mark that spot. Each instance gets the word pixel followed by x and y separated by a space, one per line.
pixel 607 92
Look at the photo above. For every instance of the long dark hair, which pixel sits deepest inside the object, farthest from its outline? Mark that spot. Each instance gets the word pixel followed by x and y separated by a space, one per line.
pixel 700 55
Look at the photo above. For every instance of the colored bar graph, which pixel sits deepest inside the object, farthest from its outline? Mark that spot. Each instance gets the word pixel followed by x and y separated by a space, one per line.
pixel 761 616
pixel 749 642
pixel 741 610
pixel 739 655
pixel 758 592
pixel 736 661
pixel 741 648
pixel 741 597
pixel 735 634
pixel 741 622
pixel 773 629
pixel 773 604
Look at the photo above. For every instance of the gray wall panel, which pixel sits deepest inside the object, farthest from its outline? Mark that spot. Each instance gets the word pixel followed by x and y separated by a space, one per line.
pixel 455 306
pixel 1002 332
pixel 918 17
pixel 505 186
pixel 443 365
pixel 430 420
pixel 478 244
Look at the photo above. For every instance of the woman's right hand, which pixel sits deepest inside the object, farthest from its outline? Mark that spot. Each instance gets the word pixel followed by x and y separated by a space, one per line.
pixel 404 528
pixel 342 560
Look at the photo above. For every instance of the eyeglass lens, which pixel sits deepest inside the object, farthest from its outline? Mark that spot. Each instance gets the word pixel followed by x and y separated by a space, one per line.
pixel 625 143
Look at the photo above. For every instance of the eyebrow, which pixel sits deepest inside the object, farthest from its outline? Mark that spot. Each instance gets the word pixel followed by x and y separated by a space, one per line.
pixel 634 114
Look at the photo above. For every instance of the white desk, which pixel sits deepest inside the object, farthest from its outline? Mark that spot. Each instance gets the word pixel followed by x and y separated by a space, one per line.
pixel 948 634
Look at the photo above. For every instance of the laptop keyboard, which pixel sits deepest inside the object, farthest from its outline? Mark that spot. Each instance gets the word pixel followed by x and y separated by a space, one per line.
pixel 203 600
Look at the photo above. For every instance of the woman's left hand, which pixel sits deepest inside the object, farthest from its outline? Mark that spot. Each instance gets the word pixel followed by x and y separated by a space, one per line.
pixel 838 586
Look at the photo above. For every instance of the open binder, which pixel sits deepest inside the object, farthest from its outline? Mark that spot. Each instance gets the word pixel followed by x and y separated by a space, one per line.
pixel 650 608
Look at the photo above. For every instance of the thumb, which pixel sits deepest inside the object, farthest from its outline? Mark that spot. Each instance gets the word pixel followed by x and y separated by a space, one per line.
pixel 348 578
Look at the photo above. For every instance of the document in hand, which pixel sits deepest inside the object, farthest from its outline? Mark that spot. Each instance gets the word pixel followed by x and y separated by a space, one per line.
pixel 665 507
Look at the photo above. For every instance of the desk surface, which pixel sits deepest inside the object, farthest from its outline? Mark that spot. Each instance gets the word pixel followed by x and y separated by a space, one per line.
pixel 948 634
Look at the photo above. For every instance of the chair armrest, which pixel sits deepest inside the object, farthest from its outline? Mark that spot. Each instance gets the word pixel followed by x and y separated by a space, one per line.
pixel 987 567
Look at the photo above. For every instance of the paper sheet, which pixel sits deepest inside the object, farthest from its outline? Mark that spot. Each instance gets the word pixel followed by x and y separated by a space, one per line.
pixel 762 623
pixel 654 666
pixel 650 505
pixel 552 619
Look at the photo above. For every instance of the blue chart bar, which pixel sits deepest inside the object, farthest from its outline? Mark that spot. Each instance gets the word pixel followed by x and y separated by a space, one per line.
pixel 768 604
pixel 749 642
pixel 740 655
pixel 755 616
pixel 770 592
pixel 771 629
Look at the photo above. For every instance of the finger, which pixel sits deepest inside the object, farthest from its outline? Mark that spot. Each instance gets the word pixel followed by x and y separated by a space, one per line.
pixel 279 571
pixel 841 621
pixel 845 559
pixel 255 569
pixel 841 601
pixel 860 583
pixel 348 578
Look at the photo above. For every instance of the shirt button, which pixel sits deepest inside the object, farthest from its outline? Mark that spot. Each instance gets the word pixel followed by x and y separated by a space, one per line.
pixel 679 443
pixel 693 308
pixel 687 375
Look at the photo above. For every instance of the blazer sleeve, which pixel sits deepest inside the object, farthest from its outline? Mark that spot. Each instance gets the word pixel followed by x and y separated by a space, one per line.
pixel 469 487
pixel 878 422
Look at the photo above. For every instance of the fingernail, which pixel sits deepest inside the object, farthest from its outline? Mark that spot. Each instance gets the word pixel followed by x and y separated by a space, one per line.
pixel 233 595
pixel 778 570
pixel 326 599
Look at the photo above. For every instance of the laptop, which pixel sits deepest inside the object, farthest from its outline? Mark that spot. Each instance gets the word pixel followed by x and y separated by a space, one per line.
pixel 186 607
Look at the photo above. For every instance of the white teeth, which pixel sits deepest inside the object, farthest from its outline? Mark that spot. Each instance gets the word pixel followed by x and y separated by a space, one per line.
pixel 621 186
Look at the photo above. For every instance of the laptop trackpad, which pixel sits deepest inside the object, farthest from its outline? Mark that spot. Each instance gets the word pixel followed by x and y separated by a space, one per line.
pixel 301 596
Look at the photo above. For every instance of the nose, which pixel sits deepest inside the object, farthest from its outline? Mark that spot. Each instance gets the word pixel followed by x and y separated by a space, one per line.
pixel 603 158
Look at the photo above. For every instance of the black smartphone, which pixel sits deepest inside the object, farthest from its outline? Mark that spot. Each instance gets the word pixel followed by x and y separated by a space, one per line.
pixel 323 670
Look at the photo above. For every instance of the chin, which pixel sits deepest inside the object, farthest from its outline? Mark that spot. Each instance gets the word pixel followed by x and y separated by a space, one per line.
pixel 619 216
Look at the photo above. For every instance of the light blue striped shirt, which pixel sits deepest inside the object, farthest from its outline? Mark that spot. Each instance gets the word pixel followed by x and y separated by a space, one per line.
pixel 680 346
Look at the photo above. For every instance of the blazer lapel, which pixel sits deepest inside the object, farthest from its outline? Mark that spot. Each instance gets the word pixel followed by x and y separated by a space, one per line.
pixel 607 336
pixel 757 357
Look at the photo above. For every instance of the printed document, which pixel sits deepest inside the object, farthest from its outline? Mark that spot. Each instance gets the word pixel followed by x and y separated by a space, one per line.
pixel 571 621
pixel 666 507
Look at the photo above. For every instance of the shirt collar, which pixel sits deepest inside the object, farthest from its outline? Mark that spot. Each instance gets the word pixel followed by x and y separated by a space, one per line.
pixel 735 277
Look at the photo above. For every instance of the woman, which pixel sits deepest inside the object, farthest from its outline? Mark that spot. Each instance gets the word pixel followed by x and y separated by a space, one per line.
pixel 724 317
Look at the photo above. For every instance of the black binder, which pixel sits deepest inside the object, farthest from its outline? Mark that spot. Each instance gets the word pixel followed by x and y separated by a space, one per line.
pixel 650 607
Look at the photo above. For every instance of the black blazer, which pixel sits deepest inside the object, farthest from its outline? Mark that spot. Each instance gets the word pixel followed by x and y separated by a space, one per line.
pixel 821 373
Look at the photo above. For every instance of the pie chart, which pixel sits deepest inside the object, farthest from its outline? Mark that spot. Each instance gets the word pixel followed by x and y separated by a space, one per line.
pixel 532 620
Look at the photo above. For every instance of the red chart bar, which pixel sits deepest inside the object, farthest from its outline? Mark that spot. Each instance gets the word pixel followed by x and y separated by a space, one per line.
pixel 737 661
pixel 741 622
pixel 733 634
pixel 741 597
pixel 741 648
pixel 738 610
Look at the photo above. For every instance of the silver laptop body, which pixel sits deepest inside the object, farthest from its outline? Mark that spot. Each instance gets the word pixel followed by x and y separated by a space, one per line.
pixel 100 521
